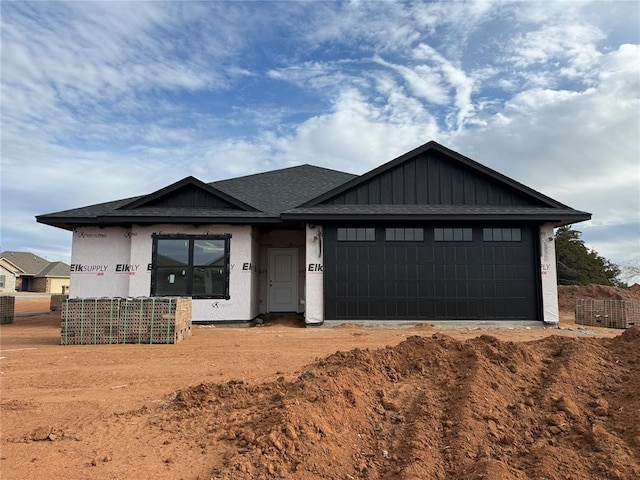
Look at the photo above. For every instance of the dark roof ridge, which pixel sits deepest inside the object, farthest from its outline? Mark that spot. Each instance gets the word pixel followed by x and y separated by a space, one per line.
pixel 279 170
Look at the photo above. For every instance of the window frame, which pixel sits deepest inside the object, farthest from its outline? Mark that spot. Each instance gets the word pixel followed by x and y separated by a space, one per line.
pixel 452 234
pixel 401 234
pixel 355 234
pixel 190 266
pixel 497 234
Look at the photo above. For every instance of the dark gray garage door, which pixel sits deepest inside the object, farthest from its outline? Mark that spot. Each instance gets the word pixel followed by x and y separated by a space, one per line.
pixel 430 273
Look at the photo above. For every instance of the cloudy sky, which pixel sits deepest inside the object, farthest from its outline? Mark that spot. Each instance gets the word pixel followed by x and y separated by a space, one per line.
pixel 107 100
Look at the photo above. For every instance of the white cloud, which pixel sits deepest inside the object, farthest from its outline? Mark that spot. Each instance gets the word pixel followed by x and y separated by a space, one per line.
pixel 327 76
pixel 582 148
pixel 356 135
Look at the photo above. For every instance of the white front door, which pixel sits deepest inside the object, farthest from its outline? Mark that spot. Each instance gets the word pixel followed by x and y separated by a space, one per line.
pixel 283 279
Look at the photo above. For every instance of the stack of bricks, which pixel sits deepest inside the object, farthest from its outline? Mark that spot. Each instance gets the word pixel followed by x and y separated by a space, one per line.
pixel 57 300
pixel 90 321
pixel 155 320
pixel 125 320
pixel 7 308
pixel 608 313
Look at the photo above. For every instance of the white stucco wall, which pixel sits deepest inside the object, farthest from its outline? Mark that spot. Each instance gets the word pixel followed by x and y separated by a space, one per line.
pixel 115 262
pixel 548 275
pixel 97 259
pixel 314 276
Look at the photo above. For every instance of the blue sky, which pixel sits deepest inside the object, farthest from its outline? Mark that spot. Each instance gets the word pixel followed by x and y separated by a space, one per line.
pixel 107 100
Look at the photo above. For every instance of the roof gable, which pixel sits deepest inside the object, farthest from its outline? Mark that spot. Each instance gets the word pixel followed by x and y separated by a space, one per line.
pixel 55 269
pixel 188 193
pixel 434 175
pixel 28 263
pixel 10 267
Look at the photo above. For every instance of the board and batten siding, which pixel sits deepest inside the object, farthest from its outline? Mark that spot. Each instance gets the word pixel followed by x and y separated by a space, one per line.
pixel 430 180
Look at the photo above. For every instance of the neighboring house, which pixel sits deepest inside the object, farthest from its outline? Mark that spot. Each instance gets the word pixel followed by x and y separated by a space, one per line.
pixel 27 272
pixel 431 235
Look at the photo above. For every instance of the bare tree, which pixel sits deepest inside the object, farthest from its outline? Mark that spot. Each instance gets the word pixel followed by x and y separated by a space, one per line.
pixel 631 271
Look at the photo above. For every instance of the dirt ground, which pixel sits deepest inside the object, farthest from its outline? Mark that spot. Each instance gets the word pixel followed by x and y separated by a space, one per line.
pixel 283 401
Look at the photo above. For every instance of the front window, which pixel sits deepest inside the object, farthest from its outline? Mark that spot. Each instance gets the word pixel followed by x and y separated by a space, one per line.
pixel 191 266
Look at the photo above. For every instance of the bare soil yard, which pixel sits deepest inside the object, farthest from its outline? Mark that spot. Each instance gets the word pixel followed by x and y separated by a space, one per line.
pixel 283 401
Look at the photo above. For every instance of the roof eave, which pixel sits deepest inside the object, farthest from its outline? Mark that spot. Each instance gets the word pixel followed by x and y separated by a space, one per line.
pixel 68 223
pixel 558 220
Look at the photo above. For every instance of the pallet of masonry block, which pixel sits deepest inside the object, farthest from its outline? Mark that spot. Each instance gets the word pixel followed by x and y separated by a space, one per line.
pixel 125 320
pixel 87 321
pixel 57 300
pixel 154 320
pixel 622 313
pixel 607 313
pixel 7 308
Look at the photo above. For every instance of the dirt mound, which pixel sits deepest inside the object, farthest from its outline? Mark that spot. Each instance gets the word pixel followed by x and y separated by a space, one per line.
pixel 431 407
pixel 567 294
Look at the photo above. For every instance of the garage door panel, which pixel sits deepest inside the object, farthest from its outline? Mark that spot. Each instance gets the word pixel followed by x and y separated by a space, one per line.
pixel 376 272
pixel 425 255
pixel 462 290
pixel 450 272
pixel 429 279
pixel 341 272
pixel 474 272
pixel 488 273
pixel 426 309
pixel 474 290
pixel 425 290
pixel 440 308
pixel 461 254
pixel 425 271
pixel 362 272
pixel 412 273
pixel 390 289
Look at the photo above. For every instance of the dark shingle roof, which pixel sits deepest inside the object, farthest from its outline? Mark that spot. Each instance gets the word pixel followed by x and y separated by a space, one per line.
pixel 280 190
pixel 91 210
pixel 299 193
pixel 270 193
